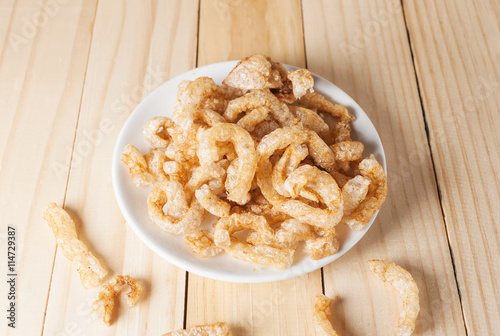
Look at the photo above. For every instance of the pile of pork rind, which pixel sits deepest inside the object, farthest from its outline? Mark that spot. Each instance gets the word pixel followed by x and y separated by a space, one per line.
pixel 268 156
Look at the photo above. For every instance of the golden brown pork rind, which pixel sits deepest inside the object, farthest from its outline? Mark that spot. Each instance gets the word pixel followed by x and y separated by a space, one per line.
pixel 102 308
pixel 402 281
pixel 322 312
pixel 91 272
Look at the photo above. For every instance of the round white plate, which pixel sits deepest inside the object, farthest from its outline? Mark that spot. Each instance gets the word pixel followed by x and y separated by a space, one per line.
pixel 132 200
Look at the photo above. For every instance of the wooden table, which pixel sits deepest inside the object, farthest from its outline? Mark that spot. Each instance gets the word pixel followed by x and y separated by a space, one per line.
pixel 426 72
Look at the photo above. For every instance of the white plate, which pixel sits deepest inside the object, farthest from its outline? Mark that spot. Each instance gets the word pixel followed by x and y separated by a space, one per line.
pixel 132 201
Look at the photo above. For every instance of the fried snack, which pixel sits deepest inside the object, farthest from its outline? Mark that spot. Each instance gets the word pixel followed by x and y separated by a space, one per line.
pixel 309 118
pixel 102 308
pixel 264 128
pixel 217 329
pixel 289 233
pixel 87 265
pixel 318 103
pixel 211 202
pixel 253 118
pixel 202 93
pixel 402 281
pixel 155 161
pixel 321 247
pixel 280 258
pixel 176 171
pixel 256 99
pixel 186 118
pixel 183 146
pixel 317 180
pixel 173 192
pixel 302 82
pixel 289 161
pixel 354 192
pixel 377 192
pixel 156 132
pixel 256 72
pixel 322 312
pixel 225 227
pixel 241 171
pixel 348 150
pixel 137 166
pixel 203 245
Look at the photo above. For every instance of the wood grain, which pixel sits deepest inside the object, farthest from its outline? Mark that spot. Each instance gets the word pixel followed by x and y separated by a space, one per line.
pixel 40 97
pixel 279 308
pixel 362 46
pixel 457 50
pixel 135 47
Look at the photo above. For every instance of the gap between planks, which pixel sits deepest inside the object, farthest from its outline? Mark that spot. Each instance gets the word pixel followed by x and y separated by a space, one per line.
pixel 427 133
pixel 70 160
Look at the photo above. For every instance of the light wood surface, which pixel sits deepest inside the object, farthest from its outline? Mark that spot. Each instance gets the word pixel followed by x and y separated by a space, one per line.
pixel 425 72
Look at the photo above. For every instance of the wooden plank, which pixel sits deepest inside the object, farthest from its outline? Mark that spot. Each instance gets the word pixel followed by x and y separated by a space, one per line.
pixel 273 28
pixel 42 69
pixel 135 47
pixel 362 46
pixel 456 47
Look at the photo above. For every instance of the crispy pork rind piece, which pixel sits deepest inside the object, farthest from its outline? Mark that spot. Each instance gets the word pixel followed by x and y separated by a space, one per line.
pixel 155 161
pixel 348 150
pixel 137 166
pixel 203 93
pixel 102 308
pixel 217 329
pixel 256 99
pixel 241 171
pixel 321 247
pixel 318 103
pixel 311 177
pixel 289 233
pixel 156 132
pixel 354 192
pixel 298 83
pixel 211 202
pixel 322 312
pixel 202 244
pixel 375 197
pixel 253 118
pixel 187 117
pixel 87 265
pixel 180 218
pixel 309 119
pixel 280 258
pixel 402 281
pixel 256 72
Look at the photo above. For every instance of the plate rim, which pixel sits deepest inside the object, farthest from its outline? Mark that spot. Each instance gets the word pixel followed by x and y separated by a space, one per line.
pixel 207 271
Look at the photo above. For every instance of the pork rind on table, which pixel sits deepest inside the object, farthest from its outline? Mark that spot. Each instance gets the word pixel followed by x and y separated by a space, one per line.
pixel 90 270
pixel 402 281
pixel 322 312
pixel 102 308
pixel 265 154
pixel 216 329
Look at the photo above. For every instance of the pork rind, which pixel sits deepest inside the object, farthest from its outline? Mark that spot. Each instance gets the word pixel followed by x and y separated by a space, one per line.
pixel 203 245
pixel 102 308
pixel 90 270
pixel 256 72
pixel 181 217
pixel 217 329
pixel 264 148
pixel 137 166
pixel 263 254
pixel 402 281
pixel 377 192
pixel 241 171
pixel 156 132
pixel 306 176
pixel 322 312
pixel 256 99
